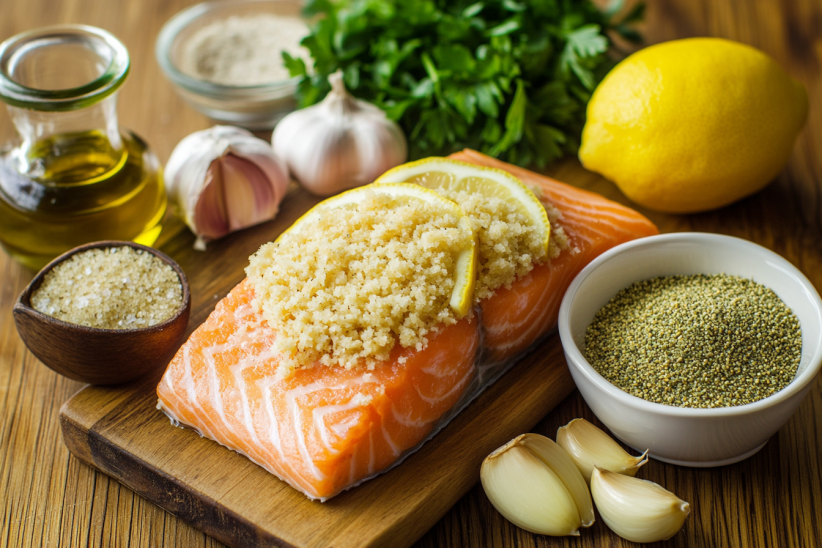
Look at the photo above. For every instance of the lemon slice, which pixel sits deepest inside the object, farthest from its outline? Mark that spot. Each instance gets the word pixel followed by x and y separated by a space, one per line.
pixel 461 176
pixel 465 274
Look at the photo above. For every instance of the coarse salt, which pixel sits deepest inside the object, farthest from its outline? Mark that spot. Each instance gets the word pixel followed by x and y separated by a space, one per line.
pixel 109 294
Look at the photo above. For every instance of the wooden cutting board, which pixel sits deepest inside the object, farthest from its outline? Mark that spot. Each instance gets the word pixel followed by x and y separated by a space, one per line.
pixel 120 432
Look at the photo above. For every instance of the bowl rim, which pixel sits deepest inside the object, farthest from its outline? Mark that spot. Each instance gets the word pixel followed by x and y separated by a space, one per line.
pixel 578 361
pixel 179 21
pixel 24 300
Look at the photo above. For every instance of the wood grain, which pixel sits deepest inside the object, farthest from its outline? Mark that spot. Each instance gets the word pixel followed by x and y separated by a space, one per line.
pixel 239 503
pixel 216 489
pixel 772 499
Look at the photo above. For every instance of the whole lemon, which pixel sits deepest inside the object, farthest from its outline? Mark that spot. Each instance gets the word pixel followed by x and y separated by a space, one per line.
pixel 692 125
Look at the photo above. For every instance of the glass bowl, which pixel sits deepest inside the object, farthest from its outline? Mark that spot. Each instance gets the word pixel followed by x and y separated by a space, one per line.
pixel 255 107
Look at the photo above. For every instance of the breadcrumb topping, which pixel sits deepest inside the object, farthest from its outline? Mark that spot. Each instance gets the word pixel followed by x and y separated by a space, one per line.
pixel 558 241
pixel 509 245
pixel 350 285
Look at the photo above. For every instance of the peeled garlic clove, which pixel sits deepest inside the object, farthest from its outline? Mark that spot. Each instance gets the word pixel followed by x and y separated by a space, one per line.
pixel 339 143
pixel 561 464
pixel 588 446
pixel 527 492
pixel 224 179
pixel 635 509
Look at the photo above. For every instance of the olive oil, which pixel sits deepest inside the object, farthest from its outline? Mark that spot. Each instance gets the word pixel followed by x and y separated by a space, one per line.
pixel 73 188
pixel 73 177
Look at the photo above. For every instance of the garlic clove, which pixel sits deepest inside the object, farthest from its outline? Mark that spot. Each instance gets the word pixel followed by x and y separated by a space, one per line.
pixel 558 460
pixel 224 179
pixel 588 446
pixel 339 143
pixel 636 509
pixel 527 492
pixel 209 214
pixel 252 201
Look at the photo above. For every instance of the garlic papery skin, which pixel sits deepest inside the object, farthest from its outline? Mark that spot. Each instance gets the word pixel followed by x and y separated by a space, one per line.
pixel 561 464
pixel 339 143
pixel 527 492
pixel 588 446
pixel 636 509
pixel 224 179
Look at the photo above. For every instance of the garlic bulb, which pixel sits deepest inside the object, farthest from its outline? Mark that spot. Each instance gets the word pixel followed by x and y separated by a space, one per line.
pixel 534 484
pixel 588 446
pixel 224 179
pixel 635 509
pixel 339 143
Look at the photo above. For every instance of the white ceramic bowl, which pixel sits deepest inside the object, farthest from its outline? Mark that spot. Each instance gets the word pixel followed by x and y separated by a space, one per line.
pixel 687 436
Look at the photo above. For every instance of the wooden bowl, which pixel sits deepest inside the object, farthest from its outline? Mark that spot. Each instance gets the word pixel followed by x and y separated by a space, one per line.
pixel 95 355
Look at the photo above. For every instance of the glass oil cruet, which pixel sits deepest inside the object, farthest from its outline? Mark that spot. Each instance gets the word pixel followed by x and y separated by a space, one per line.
pixel 74 176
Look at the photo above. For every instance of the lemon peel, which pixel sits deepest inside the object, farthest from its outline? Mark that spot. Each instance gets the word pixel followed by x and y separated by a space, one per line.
pixel 693 125
pixel 511 223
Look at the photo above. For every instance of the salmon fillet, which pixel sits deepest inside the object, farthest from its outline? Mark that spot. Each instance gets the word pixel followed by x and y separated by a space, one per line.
pixel 513 319
pixel 320 429
pixel 325 429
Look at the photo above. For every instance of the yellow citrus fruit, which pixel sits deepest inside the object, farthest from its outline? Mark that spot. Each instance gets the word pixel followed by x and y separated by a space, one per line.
pixel 692 125
pixel 450 174
pixel 465 273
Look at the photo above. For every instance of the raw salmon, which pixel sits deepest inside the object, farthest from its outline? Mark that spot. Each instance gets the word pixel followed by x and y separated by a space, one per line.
pixel 324 429
pixel 515 318
pixel 321 429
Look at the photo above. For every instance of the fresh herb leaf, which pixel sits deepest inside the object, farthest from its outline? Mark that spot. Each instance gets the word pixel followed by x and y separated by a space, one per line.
pixel 472 10
pixel 510 5
pixel 509 77
pixel 295 66
pixel 586 41
pixel 514 122
pixel 506 28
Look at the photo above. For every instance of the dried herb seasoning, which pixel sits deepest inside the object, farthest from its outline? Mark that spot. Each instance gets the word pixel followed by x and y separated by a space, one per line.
pixel 696 341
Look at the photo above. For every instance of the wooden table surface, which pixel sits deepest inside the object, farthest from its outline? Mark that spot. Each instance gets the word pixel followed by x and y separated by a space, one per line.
pixel 49 498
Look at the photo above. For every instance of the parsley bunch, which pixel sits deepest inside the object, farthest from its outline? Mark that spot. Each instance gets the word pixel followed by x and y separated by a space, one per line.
pixel 510 78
